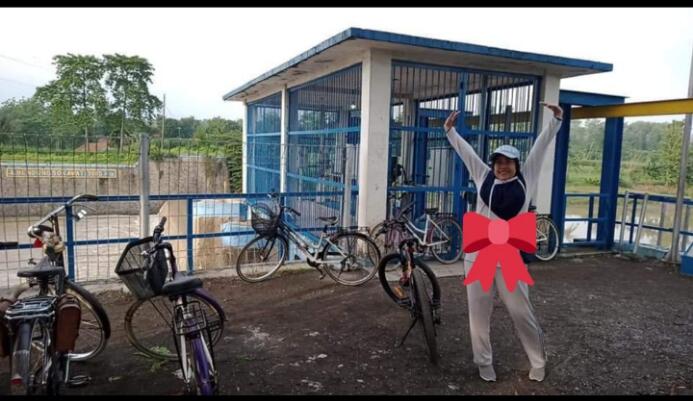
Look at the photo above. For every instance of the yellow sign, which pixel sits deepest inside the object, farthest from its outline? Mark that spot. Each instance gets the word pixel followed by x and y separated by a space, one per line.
pixel 60 172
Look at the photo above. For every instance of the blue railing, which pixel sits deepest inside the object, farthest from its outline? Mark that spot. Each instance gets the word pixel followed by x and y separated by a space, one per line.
pixel 635 199
pixel 189 236
pixel 590 219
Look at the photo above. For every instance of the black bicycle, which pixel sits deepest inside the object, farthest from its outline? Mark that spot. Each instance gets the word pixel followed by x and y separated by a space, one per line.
pixel 412 285
pixel 95 327
pixel 348 257
pixel 178 312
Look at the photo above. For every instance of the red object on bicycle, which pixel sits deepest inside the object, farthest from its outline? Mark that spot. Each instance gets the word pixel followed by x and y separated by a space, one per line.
pixel 499 241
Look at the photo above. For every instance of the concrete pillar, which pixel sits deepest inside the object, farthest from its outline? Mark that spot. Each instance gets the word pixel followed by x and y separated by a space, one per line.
pixel 284 140
pixel 550 89
pixel 244 171
pixel 375 126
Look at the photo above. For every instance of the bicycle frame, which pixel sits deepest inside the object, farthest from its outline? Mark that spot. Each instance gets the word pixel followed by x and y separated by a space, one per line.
pixel 426 234
pixel 181 323
pixel 309 248
pixel 36 310
pixel 185 325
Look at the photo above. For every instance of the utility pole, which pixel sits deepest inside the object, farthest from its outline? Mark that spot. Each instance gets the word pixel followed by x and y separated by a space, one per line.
pixel 673 256
pixel 163 124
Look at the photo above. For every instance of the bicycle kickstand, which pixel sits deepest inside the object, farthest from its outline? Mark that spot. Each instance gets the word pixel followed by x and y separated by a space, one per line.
pixel 75 381
pixel 322 271
pixel 411 326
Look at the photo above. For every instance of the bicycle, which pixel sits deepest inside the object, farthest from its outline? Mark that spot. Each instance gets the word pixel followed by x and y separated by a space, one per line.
pixel 43 329
pixel 547 237
pixel 442 235
pixel 193 317
pixel 348 257
pixel 95 327
pixel 417 290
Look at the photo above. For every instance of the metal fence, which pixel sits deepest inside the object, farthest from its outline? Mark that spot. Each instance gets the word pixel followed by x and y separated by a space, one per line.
pixel 189 180
pixel 644 222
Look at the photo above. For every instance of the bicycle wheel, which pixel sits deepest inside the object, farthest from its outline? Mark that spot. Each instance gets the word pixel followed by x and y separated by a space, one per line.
pixel 547 239
pixel 28 359
pixel 350 258
pixel 422 302
pixel 389 271
pixel 205 376
pixel 451 250
pixel 382 238
pixel 95 327
pixel 261 258
pixel 148 325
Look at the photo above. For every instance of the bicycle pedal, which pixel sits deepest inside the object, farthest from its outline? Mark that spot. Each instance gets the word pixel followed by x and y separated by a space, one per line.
pixel 399 292
pixel 78 381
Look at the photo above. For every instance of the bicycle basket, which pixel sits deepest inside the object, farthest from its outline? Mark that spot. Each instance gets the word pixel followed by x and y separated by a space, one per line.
pixel 143 276
pixel 263 219
pixel 189 319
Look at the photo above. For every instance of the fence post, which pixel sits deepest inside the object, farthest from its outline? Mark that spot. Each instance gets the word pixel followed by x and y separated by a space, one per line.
pixel 144 185
pixel 346 201
pixel 189 235
pixel 623 222
pixel 70 235
pixel 640 223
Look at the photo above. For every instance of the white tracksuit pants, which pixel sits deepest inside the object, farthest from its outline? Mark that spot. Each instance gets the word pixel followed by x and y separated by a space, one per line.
pixel 521 313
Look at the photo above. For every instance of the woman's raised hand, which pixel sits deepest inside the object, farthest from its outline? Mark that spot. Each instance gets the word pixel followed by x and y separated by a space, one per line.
pixel 450 121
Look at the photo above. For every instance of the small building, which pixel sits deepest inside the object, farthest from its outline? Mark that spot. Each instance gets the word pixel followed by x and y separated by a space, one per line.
pixel 101 145
pixel 366 108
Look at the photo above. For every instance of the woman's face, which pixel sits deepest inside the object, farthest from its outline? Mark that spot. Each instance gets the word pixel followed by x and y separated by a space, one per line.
pixel 504 168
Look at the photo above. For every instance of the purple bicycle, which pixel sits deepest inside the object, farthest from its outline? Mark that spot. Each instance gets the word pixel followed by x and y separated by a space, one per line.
pixel 193 319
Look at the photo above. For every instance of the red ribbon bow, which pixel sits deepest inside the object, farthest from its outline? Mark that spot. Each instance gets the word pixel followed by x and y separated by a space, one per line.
pixel 499 241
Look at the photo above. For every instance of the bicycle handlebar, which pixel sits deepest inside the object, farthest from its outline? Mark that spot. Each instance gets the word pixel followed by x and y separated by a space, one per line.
pixel 159 229
pixel 292 210
pixel 36 229
pixel 276 195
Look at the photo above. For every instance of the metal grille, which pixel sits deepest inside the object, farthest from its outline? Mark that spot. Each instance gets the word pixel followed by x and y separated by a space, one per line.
pixel 323 143
pixel 263 144
pixel 498 109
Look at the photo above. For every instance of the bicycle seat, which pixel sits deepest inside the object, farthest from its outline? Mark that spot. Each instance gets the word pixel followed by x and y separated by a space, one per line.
pixel 432 210
pixel 181 285
pixel 532 208
pixel 43 271
pixel 329 220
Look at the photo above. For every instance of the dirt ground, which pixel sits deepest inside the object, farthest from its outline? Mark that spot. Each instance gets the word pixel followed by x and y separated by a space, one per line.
pixel 612 326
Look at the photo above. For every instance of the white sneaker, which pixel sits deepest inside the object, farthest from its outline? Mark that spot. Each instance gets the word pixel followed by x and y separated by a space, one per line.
pixel 487 373
pixel 537 374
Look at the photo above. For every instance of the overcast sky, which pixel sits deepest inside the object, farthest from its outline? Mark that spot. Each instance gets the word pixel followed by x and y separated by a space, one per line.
pixel 200 54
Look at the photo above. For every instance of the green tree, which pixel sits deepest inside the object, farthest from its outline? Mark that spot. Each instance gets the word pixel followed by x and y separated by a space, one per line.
pixel 128 79
pixel 76 99
pixel 214 130
pixel 665 163
pixel 26 116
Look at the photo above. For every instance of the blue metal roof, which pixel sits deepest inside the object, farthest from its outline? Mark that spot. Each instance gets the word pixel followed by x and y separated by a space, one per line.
pixel 358 33
pixel 578 98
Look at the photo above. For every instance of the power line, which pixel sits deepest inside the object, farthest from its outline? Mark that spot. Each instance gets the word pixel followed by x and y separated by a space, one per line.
pixel 18 82
pixel 17 60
